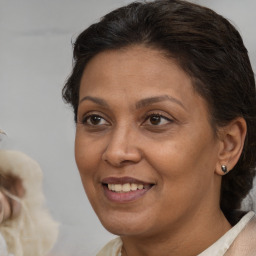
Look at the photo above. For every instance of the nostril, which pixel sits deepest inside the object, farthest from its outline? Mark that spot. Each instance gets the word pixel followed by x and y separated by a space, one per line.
pixel 119 158
pixel 126 162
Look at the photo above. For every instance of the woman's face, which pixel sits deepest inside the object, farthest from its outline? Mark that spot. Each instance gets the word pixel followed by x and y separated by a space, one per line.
pixel 144 146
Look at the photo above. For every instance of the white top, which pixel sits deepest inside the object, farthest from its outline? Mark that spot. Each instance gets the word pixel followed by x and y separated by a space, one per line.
pixel 222 245
pixel 219 248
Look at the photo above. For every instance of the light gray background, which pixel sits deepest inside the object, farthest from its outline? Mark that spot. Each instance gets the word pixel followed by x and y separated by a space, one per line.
pixel 35 60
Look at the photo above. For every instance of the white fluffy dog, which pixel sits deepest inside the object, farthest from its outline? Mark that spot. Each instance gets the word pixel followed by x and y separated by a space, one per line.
pixel 32 232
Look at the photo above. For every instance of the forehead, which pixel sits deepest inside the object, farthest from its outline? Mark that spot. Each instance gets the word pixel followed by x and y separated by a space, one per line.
pixel 136 66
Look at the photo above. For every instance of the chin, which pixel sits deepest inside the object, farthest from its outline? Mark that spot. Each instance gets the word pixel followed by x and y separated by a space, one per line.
pixel 123 229
pixel 125 224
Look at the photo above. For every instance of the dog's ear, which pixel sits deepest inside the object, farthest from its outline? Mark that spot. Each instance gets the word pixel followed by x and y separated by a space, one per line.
pixel 11 191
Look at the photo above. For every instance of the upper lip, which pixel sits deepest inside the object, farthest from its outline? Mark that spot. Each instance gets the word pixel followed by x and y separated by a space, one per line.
pixel 123 180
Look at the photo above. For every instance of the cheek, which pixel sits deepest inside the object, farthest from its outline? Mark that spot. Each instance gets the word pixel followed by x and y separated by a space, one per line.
pixel 186 175
pixel 85 154
pixel 186 159
pixel 86 160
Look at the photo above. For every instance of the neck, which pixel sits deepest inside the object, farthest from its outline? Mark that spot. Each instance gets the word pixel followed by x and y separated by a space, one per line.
pixel 189 239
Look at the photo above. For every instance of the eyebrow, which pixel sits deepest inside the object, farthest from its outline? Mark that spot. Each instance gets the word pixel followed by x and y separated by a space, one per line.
pixel 140 104
pixel 95 100
pixel 149 101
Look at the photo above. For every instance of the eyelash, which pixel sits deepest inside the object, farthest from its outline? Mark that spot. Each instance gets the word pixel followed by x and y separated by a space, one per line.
pixel 148 116
pixel 146 119
pixel 87 117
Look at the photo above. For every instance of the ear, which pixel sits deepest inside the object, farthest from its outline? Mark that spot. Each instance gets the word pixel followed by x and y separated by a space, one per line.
pixel 232 138
pixel 11 191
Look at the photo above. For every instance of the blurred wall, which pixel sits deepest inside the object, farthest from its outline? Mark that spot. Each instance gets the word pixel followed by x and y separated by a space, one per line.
pixel 35 60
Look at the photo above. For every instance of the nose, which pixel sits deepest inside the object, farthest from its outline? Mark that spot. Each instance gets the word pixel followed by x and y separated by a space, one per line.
pixel 122 148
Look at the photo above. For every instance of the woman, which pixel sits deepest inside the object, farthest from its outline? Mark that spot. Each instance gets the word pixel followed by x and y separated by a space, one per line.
pixel 164 101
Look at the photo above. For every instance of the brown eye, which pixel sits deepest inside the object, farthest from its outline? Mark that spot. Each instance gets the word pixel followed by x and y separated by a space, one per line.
pixel 95 120
pixel 155 119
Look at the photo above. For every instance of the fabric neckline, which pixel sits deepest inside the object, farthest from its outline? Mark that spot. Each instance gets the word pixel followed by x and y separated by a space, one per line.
pixel 222 245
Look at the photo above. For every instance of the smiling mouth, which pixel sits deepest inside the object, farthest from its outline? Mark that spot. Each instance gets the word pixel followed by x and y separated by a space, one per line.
pixel 127 187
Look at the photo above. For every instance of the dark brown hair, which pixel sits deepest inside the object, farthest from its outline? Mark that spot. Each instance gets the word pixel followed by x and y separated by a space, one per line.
pixel 207 47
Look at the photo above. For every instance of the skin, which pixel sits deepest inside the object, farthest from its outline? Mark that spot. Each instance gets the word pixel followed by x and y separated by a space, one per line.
pixel 179 154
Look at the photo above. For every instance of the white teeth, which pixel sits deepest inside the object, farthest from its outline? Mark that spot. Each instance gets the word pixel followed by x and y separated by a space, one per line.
pixel 134 187
pixel 117 187
pixel 125 187
pixel 140 186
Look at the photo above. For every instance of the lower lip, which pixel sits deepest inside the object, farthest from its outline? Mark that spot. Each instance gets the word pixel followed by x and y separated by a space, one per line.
pixel 124 197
